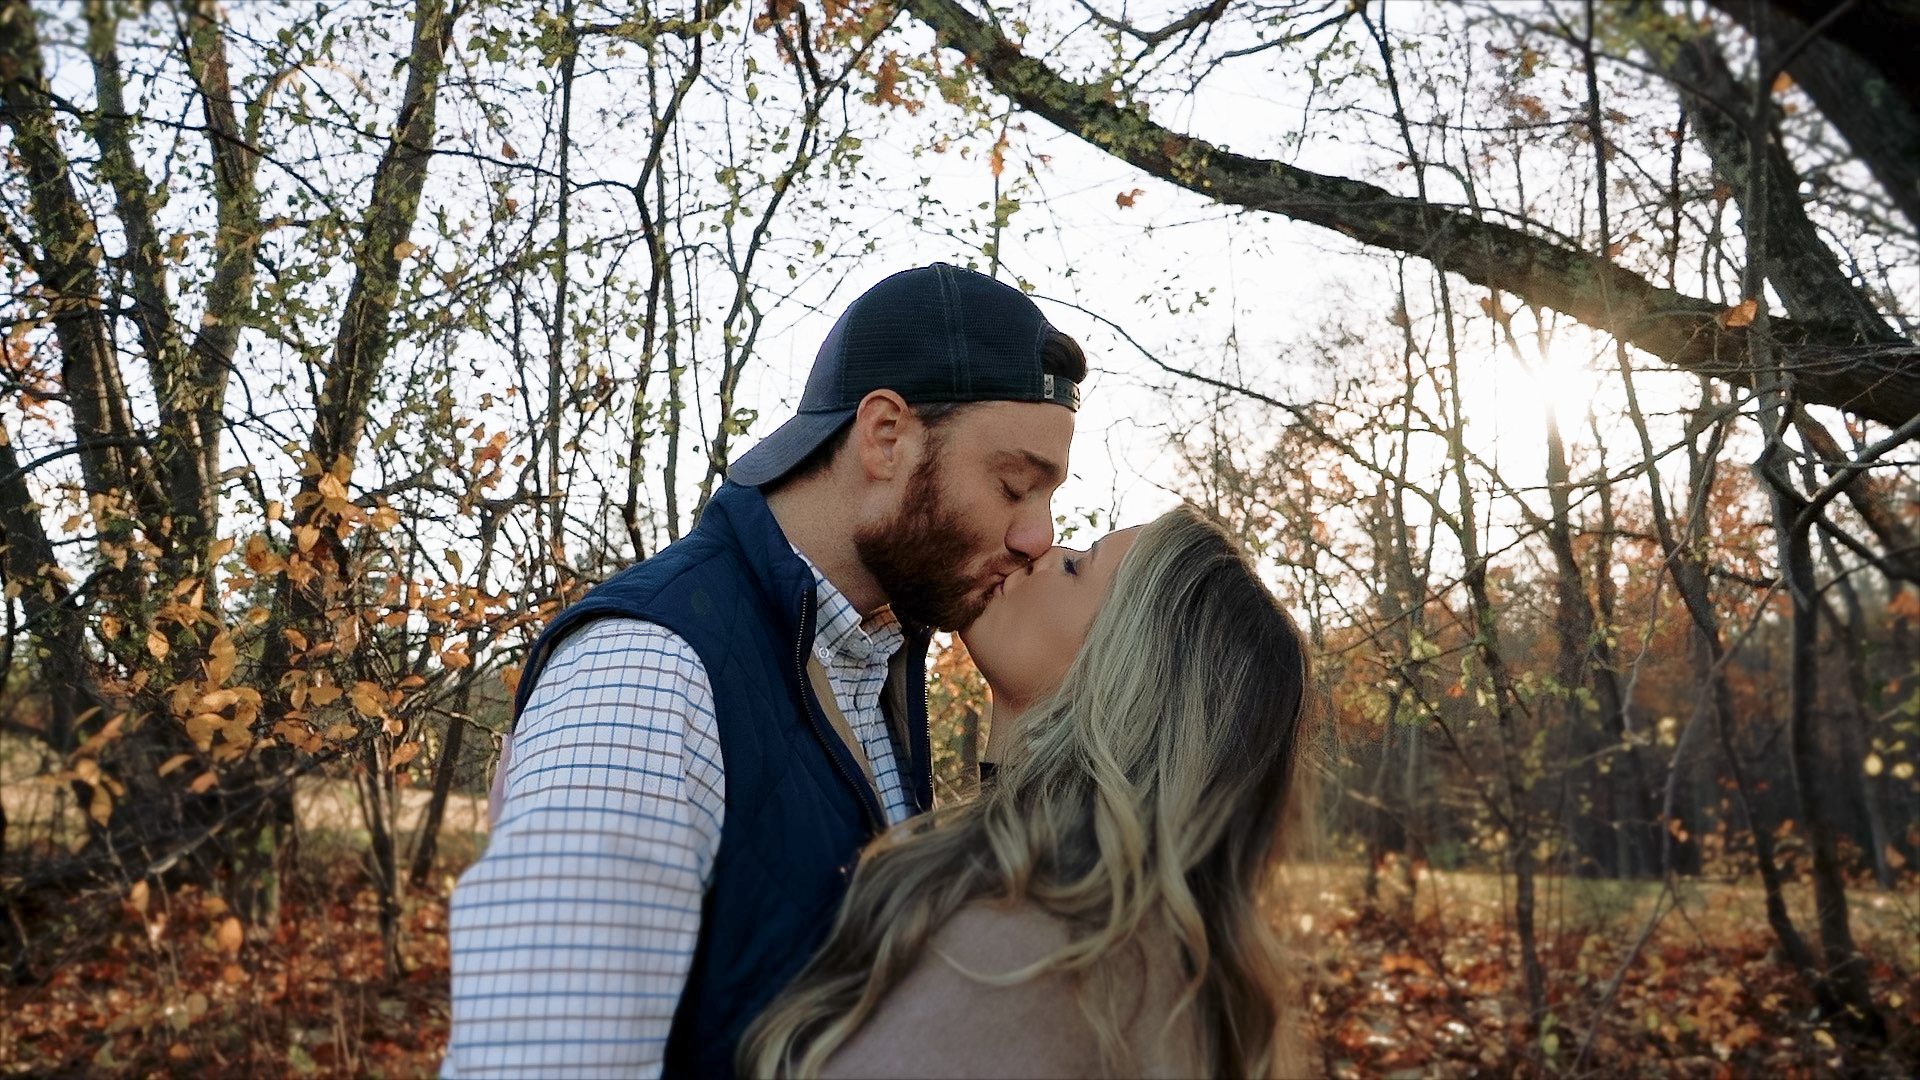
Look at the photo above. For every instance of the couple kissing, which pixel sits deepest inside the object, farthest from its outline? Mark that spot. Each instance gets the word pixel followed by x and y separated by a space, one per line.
pixel 716 849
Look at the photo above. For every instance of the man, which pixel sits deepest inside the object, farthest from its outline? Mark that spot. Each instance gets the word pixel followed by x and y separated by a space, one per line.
pixel 706 740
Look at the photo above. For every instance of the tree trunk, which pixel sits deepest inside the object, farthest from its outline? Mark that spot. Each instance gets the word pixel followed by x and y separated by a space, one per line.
pixel 1845 967
pixel 1860 73
pixel 425 846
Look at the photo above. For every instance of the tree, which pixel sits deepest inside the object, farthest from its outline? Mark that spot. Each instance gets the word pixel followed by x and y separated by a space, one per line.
pixel 269 515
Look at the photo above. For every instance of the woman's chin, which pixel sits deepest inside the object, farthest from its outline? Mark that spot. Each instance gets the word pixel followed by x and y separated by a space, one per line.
pixel 973 630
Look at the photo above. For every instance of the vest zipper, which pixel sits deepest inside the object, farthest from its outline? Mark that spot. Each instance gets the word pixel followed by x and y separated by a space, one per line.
pixel 879 822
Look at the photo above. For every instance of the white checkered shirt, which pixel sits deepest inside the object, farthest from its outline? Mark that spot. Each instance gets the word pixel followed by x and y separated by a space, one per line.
pixel 573 935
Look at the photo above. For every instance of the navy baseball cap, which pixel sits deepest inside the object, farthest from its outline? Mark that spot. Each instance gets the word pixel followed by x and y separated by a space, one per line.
pixel 936 333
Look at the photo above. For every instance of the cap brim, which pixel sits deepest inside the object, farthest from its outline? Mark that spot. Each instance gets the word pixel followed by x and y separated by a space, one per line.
pixel 787 446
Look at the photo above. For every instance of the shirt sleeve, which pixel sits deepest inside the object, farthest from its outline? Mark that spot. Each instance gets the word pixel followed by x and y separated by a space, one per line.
pixel 573 935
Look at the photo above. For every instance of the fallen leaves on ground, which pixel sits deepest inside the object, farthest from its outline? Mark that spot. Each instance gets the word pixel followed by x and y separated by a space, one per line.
pixel 172 983
pixel 1435 996
pixel 182 988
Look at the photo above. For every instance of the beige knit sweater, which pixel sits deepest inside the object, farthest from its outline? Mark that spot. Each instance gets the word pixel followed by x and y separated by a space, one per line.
pixel 940 1023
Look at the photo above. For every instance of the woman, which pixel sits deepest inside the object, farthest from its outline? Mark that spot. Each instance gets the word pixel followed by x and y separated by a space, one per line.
pixel 1098 908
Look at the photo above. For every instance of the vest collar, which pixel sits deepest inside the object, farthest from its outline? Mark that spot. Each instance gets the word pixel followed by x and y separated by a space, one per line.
pixel 742 515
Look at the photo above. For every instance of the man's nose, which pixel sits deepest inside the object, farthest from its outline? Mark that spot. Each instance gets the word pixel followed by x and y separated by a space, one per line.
pixel 1032 532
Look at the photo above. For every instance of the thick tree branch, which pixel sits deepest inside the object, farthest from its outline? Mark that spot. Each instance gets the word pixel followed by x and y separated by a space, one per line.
pixel 67 264
pixel 1831 365
pixel 1801 266
pixel 360 348
pixel 1871 96
pixel 200 398
pixel 1871 498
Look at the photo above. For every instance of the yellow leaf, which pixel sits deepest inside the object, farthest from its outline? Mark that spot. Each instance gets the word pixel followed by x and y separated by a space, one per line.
pixel 261 558
pixel 459 566
pixel 1873 765
pixel 201 728
pixel 323 695
pixel 341 732
pixel 221 658
pixel 296 639
pixel 456 659
pixel 1740 314
pixel 230 936
pixel 393 726
pixel 275 511
pixel 403 249
pixel 137 898
pixel 404 753
pixel 98 742
pixel 510 678
pixel 369 699
pixel 346 635
pixel 174 762
pixel 258 616
pixel 330 488
pixel 100 807
pixel 157 644
pixel 1903 771
pixel 304 536
pixel 219 548
pixel 202 782
pixel 384 518
pixel 1127 198
pixel 213 907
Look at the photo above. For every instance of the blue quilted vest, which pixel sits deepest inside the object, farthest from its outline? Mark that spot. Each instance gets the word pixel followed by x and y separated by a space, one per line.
pixel 798 808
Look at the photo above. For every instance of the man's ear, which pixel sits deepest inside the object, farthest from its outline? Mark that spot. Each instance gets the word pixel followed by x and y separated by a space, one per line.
pixel 886 436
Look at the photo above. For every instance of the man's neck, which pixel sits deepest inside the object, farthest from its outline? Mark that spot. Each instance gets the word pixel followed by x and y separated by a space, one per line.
pixel 815 517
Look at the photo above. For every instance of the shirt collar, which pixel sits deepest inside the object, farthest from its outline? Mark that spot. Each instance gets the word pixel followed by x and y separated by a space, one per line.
pixel 841 630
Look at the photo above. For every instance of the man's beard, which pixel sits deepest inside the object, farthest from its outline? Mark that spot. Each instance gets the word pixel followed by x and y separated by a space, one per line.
pixel 919 557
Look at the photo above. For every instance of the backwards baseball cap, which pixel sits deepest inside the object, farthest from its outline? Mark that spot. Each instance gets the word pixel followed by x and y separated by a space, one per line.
pixel 933 334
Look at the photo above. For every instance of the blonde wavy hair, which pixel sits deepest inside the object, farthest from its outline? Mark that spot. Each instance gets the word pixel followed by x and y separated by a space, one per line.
pixel 1148 792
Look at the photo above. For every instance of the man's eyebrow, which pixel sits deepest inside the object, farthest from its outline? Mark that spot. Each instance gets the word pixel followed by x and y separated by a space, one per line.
pixel 1031 462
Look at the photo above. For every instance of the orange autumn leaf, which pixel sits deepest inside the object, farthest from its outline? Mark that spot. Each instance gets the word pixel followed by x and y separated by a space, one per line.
pixel 1740 314
pixel 368 699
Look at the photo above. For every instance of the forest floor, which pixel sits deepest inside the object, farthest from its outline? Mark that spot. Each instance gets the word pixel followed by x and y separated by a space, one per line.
pixel 163 984
pixel 1432 987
